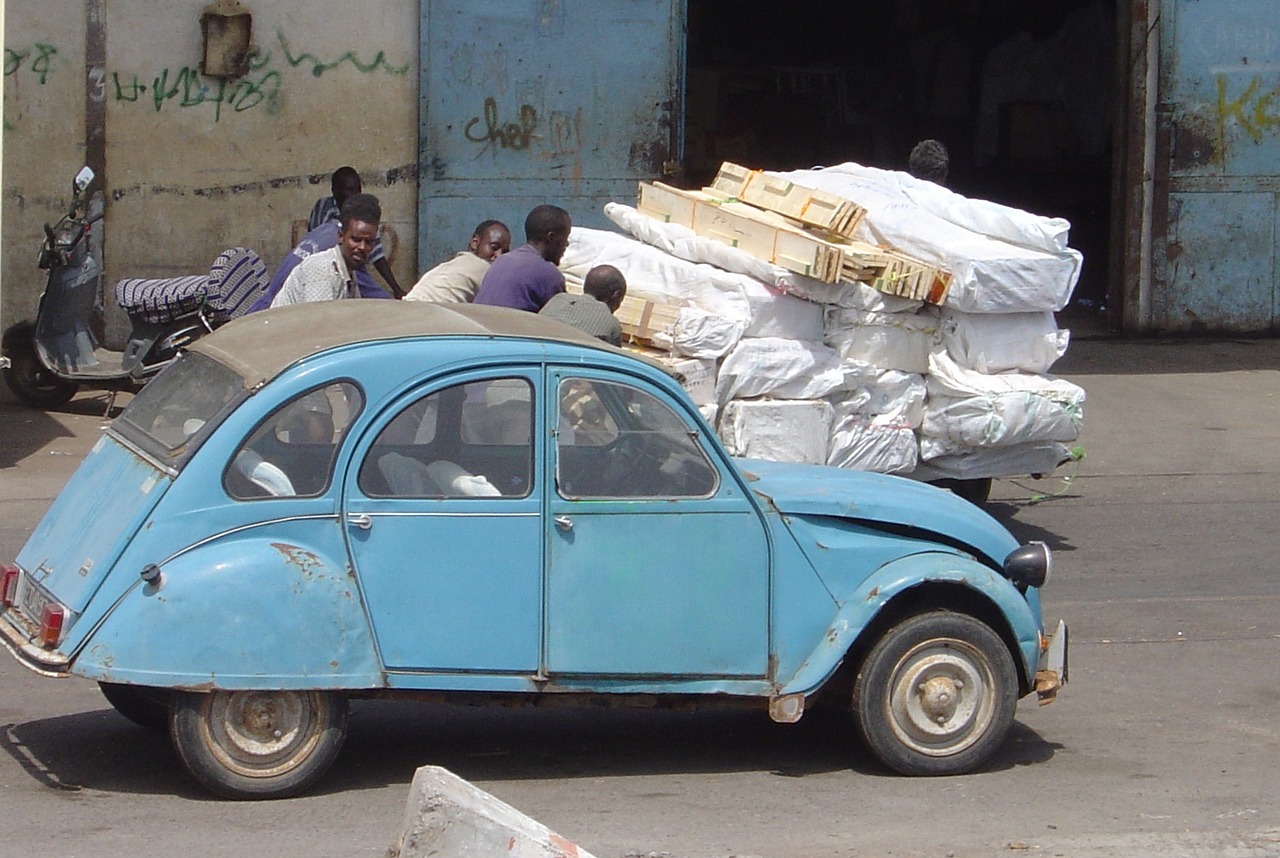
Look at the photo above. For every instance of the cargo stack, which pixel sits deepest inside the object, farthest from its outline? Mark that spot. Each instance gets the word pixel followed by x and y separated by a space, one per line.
pixel 853 316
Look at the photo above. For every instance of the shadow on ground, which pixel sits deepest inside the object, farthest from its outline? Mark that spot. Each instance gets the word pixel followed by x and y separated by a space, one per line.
pixel 388 741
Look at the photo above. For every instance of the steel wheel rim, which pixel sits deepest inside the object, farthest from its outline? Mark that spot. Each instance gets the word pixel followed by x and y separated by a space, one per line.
pixel 941 697
pixel 262 734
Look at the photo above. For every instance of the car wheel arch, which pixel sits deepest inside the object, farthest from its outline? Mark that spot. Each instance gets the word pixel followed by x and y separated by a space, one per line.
pixel 916 584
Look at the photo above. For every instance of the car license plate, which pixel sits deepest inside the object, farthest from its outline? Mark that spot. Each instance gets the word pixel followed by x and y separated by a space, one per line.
pixel 32 599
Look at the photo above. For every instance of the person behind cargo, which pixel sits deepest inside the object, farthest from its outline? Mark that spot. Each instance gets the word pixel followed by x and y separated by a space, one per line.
pixel 929 161
pixel 527 277
pixel 592 312
pixel 344 182
pixel 330 274
pixel 457 280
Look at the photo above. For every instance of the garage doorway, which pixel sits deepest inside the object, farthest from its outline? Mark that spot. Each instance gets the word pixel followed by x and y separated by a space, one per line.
pixel 1022 94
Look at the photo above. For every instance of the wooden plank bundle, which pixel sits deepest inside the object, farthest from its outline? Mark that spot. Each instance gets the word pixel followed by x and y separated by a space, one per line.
pixel 641 319
pixel 811 207
pixel 720 214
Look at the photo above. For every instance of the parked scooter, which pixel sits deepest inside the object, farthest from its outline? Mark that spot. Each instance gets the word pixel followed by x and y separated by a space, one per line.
pixel 57 354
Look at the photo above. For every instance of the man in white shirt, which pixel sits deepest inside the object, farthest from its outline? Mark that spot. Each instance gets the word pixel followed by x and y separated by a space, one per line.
pixel 457 280
pixel 327 275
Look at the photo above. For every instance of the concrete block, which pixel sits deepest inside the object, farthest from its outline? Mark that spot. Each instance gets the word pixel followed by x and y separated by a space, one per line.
pixel 447 817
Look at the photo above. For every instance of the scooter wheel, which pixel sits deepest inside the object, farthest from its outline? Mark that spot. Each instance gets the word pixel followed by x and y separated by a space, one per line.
pixel 33 383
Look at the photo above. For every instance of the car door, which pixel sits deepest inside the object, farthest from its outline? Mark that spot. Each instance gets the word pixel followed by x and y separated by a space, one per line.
pixel 658 562
pixel 444 524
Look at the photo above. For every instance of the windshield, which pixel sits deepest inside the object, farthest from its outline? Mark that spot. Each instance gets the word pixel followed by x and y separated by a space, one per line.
pixel 178 409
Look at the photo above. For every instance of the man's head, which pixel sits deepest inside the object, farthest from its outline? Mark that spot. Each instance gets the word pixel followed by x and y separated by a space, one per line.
pixel 547 229
pixel 607 285
pixel 358 232
pixel 490 240
pixel 344 183
pixel 929 161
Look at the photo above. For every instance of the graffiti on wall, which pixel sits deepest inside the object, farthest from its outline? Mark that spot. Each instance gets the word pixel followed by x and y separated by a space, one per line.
pixel 186 87
pixel 1255 110
pixel 36 59
pixel 558 139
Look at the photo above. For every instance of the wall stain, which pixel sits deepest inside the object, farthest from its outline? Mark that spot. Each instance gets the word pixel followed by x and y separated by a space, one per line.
pixel 372 179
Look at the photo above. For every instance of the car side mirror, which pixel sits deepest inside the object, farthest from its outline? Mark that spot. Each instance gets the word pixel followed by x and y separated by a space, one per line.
pixel 82 179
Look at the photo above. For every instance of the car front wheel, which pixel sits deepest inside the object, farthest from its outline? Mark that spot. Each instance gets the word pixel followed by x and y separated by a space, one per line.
pixel 258 744
pixel 936 695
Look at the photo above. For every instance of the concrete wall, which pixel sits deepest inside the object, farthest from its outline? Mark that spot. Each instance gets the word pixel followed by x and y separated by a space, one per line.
pixel 194 165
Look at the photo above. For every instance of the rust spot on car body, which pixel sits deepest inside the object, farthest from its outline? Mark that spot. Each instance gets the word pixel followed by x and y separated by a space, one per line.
pixel 306 561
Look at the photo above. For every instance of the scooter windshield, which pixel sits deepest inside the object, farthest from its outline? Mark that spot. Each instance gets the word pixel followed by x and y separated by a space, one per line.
pixel 180 407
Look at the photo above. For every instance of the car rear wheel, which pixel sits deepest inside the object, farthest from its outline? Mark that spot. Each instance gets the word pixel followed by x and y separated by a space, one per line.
pixel 258 744
pixel 146 707
pixel 936 695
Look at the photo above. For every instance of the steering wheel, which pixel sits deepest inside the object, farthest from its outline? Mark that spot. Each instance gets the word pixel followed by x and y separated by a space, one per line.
pixel 630 468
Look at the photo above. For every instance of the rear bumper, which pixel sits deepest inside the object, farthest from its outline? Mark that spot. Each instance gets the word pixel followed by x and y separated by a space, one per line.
pixel 42 661
pixel 1051 672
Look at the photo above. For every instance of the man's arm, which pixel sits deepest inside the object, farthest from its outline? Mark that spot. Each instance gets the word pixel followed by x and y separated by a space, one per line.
pixel 384 268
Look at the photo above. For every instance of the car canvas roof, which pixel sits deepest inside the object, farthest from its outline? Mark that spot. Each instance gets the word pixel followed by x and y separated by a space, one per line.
pixel 261 345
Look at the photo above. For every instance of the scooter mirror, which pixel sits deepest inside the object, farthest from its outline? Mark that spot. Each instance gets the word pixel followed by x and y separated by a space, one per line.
pixel 83 178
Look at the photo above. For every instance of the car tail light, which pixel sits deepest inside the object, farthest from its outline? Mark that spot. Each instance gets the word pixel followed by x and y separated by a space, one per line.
pixel 9 585
pixel 51 625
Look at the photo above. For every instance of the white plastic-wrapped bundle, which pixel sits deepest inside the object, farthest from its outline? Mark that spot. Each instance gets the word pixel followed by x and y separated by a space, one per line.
pixel 886 340
pixel 1026 342
pixel 968 409
pixel 776 429
pixel 784 369
pixel 1034 458
pixel 1002 259
pixel 861 444
pixel 874 424
pixel 659 276
pixel 686 244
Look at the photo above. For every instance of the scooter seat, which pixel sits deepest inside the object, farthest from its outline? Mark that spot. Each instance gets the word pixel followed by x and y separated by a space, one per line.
pixel 162 300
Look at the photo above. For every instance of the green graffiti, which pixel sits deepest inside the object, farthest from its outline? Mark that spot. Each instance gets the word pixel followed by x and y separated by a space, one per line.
pixel 319 67
pixel 186 87
pixel 41 56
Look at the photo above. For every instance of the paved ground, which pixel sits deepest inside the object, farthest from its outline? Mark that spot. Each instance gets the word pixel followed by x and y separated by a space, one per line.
pixel 1165 742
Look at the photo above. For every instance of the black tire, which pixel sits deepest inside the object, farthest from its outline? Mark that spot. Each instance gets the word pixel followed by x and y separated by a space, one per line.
pixel 936 695
pixel 146 707
pixel 976 492
pixel 32 382
pixel 258 744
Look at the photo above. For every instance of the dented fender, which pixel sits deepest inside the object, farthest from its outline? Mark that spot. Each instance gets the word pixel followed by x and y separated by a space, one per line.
pixel 239 613
pixel 859 608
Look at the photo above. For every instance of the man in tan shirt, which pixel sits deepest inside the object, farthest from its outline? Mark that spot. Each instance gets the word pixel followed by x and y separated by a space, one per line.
pixel 457 280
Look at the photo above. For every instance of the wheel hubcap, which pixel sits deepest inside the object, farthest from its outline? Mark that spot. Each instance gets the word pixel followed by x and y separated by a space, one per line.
pixel 941 699
pixel 263 733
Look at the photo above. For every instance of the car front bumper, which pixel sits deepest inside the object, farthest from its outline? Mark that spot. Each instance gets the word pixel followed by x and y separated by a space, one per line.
pixel 1051 671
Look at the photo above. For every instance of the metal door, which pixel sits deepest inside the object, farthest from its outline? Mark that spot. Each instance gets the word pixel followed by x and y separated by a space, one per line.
pixel 525 102
pixel 1218 149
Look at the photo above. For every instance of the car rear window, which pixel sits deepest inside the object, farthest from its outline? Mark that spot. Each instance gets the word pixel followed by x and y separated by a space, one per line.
pixel 178 409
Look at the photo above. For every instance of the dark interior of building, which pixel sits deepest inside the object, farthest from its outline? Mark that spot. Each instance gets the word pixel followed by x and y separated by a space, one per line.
pixel 1020 93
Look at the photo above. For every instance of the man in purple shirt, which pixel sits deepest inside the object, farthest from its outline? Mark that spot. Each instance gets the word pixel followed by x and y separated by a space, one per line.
pixel 527 277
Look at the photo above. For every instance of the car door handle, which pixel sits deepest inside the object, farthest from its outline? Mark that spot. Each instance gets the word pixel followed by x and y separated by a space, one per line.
pixel 361 520
pixel 563 522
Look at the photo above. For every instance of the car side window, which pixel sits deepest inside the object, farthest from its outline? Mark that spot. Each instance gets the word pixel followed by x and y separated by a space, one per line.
pixel 617 441
pixel 291 453
pixel 468 440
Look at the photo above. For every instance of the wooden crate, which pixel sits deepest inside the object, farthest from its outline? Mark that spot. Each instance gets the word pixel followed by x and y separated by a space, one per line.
pixel 666 204
pixel 912 278
pixel 642 319
pixel 808 206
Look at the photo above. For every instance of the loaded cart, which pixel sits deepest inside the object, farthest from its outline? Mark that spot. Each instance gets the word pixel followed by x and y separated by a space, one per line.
pixel 855 317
